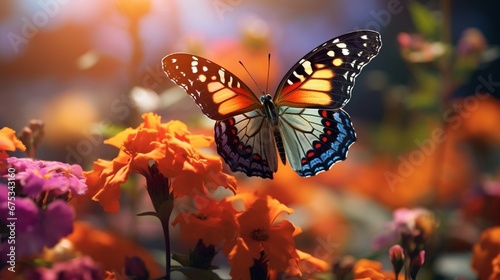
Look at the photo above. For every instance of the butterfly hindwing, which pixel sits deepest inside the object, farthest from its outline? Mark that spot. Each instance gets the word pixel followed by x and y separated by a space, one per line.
pixel 324 78
pixel 246 144
pixel 218 92
pixel 315 138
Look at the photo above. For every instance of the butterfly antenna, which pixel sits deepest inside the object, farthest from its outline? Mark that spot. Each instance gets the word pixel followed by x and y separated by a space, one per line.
pixel 251 76
pixel 268 70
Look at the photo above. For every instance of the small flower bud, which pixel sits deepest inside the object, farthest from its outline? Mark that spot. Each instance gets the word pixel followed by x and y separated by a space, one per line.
pixel 416 263
pixel 396 255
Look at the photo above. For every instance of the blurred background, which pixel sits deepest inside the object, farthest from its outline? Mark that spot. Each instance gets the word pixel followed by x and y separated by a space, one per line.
pixel 426 109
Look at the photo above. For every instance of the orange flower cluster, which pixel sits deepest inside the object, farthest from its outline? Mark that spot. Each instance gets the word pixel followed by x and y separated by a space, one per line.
pixel 486 255
pixel 252 233
pixel 9 142
pixel 174 151
pixel 249 228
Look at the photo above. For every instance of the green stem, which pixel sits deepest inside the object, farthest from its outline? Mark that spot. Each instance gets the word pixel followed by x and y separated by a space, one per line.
pixel 166 236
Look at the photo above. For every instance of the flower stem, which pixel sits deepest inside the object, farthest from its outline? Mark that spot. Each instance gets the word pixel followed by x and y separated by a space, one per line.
pixel 162 197
pixel 166 236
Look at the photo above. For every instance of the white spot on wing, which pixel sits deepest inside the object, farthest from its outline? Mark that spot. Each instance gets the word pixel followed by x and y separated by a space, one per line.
pixel 342 45
pixel 364 37
pixel 345 51
pixel 301 77
pixel 221 75
pixel 330 53
pixel 307 67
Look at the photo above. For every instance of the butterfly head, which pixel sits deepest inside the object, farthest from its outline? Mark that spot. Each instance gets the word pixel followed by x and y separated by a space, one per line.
pixel 270 109
pixel 265 98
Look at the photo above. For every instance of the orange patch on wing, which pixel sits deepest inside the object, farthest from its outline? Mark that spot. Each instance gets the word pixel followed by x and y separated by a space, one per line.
pixel 237 105
pixel 214 86
pixel 316 84
pixel 223 95
pixel 306 97
pixel 323 74
pixel 337 62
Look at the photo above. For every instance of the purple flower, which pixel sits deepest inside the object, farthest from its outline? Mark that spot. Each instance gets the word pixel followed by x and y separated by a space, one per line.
pixel 83 268
pixel 403 218
pixel 34 228
pixel 37 176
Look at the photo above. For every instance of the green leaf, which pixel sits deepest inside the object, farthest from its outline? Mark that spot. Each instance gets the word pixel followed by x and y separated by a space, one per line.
pixel 424 20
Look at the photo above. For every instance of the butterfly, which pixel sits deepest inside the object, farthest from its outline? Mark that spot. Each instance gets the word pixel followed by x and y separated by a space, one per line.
pixel 304 121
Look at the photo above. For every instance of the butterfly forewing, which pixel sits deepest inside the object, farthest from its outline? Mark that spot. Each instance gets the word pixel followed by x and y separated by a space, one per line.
pixel 217 92
pixel 324 78
pixel 315 139
pixel 246 143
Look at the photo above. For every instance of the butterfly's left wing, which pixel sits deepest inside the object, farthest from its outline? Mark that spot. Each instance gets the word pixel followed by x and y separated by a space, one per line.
pixel 218 92
pixel 246 144
pixel 324 78
pixel 314 138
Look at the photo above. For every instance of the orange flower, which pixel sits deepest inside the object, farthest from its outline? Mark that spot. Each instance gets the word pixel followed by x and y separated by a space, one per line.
pixel 478 114
pixel 171 147
pixel 104 184
pixel 486 254
pixel 370 270
pixel 9 142
pixel 495 272
pixel 109 250
pixel 214 222
pixel 260 231
pixel 305 264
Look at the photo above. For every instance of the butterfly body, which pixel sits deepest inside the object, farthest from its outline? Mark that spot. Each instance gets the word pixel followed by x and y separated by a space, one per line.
pixel 272 116
pixel 303 123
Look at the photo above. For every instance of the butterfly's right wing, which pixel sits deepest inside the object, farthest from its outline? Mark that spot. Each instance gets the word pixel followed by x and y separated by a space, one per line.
pixel 315 139
pixel 246 143
pixel 218 92
pixel 324 78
